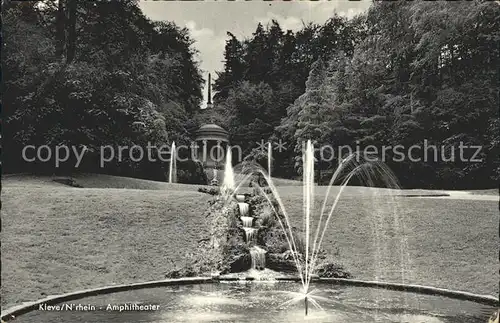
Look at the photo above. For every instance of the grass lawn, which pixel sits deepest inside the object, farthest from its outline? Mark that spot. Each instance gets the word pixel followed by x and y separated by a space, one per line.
pixel 493 191
pixel 447 243
pixel 59 239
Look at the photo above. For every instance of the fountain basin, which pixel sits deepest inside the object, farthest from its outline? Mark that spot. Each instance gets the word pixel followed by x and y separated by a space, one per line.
pixel 242 300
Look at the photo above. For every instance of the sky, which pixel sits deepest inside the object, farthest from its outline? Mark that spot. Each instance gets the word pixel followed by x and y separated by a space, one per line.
pixel 209 21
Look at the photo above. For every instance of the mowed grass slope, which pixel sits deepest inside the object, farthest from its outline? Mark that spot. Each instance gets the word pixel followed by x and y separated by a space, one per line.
pixel 59 239
pixel 447 243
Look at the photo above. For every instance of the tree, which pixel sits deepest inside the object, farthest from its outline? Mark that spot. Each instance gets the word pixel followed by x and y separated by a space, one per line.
pixel 234 68
pixel 125 81
pixel 313 112
pixel 247 106
pixel 60 29
pixel 72 14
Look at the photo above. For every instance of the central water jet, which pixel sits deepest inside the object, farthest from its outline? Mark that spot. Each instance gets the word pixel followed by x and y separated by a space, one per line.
pixel 172 173
pixel 306 256
pixel 228 185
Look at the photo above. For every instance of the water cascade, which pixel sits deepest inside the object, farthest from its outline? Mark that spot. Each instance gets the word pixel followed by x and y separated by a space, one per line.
pixel 247 221
pixel 249 234
pixel 172 174
pixel 258 256
pixel 243 209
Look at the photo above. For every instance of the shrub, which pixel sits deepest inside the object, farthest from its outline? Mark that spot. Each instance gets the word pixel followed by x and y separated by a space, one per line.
pixel 236 255
pixel 191 172
pixel 273 239
pixel 203 261
pixel 67 181
pixel 211 190
pixel 267 218
pixel 332 270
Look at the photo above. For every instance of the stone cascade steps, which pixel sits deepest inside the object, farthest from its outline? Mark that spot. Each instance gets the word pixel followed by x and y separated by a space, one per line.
pixel 257 254
pixel 249 234
pixel 247 221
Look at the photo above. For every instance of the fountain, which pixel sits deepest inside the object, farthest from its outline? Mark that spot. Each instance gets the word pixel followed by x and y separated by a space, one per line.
pixel 225 298
pixel 209 300
pixel 269 158
pixel 306 260
pixel 172 173
pixel 228 184
pixel 306 257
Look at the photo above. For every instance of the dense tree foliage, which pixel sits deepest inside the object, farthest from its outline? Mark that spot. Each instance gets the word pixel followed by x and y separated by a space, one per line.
pixel 406 73
pixel 264 74
pixel 86 73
